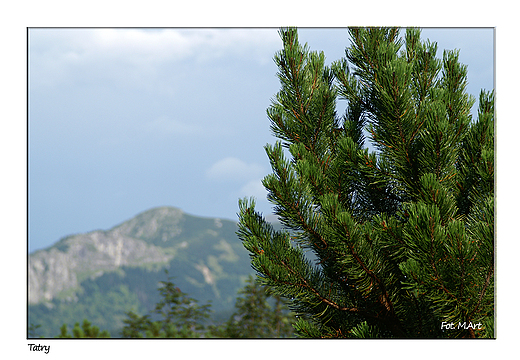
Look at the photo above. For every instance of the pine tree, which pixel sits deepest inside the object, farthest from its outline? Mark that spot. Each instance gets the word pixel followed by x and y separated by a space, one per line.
pixel 180 316
pixel 258 314
pixel 402 231
pixel 86 330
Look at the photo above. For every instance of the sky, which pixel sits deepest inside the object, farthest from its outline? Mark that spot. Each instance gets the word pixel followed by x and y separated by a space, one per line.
pixel 124 120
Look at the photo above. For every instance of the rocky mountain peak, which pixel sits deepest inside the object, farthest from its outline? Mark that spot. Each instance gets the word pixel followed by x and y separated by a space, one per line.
pixel 151 239
pixel 163 222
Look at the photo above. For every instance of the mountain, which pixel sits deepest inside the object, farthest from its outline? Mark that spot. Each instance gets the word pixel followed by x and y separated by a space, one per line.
pixel 101 275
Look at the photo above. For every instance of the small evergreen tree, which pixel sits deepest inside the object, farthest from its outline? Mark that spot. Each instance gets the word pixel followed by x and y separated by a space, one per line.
pixel 136 326
pixel 86 330
pixel 257 315
pixel 180 317
pixel 403 234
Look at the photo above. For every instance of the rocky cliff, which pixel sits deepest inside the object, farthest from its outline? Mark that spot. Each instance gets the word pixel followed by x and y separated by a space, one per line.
pixel 204 253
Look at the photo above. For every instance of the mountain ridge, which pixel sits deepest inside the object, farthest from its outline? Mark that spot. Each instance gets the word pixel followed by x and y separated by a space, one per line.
pixel 204 256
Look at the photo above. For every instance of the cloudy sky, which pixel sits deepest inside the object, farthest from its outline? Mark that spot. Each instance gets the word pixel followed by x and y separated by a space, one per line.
pixel 124 120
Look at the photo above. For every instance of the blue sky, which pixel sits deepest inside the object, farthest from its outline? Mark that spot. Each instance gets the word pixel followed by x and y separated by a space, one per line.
pixel 123 120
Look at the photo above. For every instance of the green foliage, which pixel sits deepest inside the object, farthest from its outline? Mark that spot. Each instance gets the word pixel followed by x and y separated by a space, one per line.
pixel 257 317
pixel 257 314
pixel 104 306
pixel 180 317
pixel 85 331
pixel 403 236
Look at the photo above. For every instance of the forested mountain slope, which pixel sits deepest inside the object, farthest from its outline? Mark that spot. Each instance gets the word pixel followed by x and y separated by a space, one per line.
pixel 101 275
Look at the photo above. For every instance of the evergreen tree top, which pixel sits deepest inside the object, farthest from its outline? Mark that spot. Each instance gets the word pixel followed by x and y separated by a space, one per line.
pixel 404 234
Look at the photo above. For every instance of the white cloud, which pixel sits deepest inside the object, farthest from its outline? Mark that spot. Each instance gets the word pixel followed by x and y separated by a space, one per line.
pixel 152 45
pixel 254 188
pixel 234 169
pixel 58 55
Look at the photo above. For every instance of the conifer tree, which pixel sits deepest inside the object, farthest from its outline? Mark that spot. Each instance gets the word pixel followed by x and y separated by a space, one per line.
pixel 402 232
pixel 180 316
pixel 258 314
pixel 86 330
